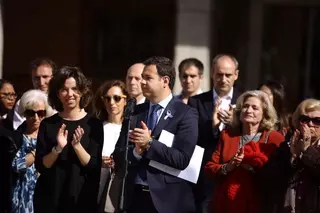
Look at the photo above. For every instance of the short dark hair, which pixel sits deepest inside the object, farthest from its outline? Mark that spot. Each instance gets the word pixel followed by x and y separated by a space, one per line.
pixel 99 107
pixel 57 83
pixel 43 61
pixel 164 67
pixel 188 62
pixel 217 57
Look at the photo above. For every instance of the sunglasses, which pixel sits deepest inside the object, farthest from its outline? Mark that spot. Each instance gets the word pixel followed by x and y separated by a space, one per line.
pixel 306 119
pixel 31 113
pixel 116 98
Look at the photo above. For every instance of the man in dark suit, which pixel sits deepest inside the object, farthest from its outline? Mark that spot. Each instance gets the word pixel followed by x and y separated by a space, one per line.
pixel 148 189
pixel 215 109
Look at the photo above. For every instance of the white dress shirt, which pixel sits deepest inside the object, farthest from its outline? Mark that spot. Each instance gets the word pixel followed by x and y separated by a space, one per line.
pixel 225 103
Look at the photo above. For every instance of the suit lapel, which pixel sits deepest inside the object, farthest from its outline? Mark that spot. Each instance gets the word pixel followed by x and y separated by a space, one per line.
pixel 208 103
pixel 235 96
pixel 164 119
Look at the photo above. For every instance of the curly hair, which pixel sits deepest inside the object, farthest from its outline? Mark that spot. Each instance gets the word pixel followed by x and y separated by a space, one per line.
pixel 270 117
pixel 99 107
pixel 57 83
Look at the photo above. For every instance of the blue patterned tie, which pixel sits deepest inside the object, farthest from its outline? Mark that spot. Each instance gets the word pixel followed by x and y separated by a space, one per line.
pixel 151 123
pixel 153 117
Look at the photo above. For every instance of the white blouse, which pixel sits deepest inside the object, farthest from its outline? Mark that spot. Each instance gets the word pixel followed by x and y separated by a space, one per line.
pixel 111 133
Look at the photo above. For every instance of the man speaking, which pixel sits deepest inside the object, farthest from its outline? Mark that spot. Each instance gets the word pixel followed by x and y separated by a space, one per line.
pixel 148 189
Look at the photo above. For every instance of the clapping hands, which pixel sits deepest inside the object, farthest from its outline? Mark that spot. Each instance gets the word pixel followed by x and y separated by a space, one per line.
pixel 62 136
pixel 221 115
pixel 236 160
pixel 300 141
pixel 77 135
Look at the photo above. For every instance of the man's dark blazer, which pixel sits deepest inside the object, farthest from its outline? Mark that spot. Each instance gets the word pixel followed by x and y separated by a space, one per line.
pixel 204 104
pixel 169 193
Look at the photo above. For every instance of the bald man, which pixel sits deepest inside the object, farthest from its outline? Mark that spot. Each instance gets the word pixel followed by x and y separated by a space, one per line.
pixel 133 82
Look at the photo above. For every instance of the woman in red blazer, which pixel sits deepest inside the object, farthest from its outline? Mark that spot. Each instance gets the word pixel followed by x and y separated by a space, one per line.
pixel 242 150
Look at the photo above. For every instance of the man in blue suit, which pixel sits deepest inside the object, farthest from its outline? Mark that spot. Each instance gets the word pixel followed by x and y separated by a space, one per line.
pixel 148 189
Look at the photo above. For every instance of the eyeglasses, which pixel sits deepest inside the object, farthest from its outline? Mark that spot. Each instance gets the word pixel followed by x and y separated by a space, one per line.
pixel 306 119
pixel 31 113
pixel 116 98
pixel 8 96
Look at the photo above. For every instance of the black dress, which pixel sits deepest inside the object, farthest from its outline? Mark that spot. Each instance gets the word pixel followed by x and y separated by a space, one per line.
pixel 68 186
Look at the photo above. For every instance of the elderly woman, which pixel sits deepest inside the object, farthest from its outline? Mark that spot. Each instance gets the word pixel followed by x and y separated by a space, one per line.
pixel 242 150
pixel 33 106
pixel 69 148
pixel 296 166
pixel 110 103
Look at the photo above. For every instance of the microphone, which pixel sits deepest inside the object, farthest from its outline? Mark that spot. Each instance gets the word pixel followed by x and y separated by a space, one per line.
pixel 129 109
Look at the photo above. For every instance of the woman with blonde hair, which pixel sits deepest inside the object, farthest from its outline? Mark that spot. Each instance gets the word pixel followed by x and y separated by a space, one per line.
pixel 242 150
pixel 296 166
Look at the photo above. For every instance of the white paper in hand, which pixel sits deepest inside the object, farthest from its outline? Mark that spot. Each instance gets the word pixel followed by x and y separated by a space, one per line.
pixel 191 173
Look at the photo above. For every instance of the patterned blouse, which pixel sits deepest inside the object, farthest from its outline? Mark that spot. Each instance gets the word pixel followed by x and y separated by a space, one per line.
pixel 23 188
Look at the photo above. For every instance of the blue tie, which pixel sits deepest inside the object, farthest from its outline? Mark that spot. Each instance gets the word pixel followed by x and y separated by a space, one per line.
pixel 153 117
pixel 151 123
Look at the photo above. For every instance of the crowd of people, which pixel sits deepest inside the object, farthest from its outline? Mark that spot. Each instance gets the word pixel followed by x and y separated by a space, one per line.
pixel 65 148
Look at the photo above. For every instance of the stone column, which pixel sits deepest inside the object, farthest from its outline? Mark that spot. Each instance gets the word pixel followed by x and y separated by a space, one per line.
pixel 193 36
pixel 252 73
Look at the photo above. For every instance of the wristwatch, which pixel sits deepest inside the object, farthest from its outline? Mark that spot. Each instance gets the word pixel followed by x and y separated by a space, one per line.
pixel 55 151
pixel 149 143
pixel 224 169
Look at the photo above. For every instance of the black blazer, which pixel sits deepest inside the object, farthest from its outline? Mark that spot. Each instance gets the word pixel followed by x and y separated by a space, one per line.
pixel 8 122
pixel 169 194
pixel 204 105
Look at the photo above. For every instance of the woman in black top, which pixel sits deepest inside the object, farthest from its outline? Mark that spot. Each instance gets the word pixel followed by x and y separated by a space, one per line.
pixel 69 148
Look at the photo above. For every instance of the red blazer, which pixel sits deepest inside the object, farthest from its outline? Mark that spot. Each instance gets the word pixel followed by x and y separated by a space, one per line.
pixel 228 146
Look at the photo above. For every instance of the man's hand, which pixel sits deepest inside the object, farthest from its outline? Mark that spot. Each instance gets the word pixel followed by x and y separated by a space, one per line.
pixel 215 118
pixel 140 137
pixel 226 116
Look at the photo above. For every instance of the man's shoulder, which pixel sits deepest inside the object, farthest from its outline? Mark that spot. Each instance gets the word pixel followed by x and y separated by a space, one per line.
pixel 179 105
pixel 205 96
